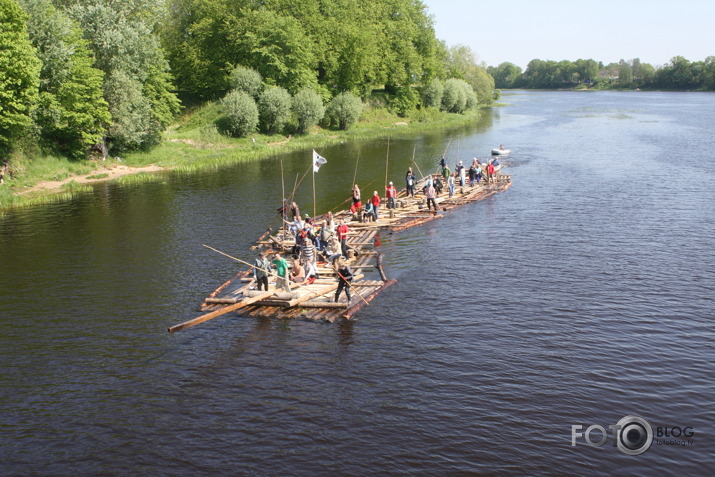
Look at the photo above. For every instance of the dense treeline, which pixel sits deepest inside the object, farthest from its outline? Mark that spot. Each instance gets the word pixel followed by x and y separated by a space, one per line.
pixel 80 77
pixel 678 74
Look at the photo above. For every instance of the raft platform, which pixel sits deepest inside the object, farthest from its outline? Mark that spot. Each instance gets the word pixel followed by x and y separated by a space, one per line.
pixel 315 301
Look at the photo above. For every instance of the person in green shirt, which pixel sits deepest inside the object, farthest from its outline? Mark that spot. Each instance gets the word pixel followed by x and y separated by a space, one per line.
pixel 281 272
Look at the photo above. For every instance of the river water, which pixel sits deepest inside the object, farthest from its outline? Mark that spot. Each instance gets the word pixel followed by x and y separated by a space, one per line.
pixel 583 294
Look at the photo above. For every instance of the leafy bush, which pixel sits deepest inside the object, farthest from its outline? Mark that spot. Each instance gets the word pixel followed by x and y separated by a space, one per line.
pixel 241 112
pixel 308 108
pixel 432 94
pixel 472 100
pixel 247 80
pixel 274 109
pixel 343 110
pixel 456 92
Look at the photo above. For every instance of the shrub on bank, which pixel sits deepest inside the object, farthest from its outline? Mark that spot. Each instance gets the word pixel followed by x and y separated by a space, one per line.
pixel 308 109
pixel 343 111
pixel 241 113
pixel 274 108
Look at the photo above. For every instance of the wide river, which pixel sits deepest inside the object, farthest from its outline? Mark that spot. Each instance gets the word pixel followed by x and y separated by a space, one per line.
pixel 582 295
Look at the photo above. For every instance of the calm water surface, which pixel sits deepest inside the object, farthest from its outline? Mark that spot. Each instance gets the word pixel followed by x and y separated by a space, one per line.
pixel 583 294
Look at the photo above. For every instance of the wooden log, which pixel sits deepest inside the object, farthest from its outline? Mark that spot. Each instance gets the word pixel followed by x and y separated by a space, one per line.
pixel 214 314
pixel 222 301
pixel 263 236
pixel 380 269
pixel 323 304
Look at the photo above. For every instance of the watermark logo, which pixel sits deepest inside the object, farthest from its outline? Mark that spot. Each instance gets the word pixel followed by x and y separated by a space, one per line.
pixel 632 435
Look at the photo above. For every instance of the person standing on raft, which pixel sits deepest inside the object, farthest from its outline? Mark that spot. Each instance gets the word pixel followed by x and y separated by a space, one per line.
pixel 375 201
pixel 390 194
pixel 281 272
pixel 430 193
pixel 342 231
pixel 345 276
pixel 410 183
pixel 357 203
pixel 261 267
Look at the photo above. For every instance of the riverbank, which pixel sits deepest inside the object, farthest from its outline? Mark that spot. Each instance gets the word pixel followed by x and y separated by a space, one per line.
pixel 194 143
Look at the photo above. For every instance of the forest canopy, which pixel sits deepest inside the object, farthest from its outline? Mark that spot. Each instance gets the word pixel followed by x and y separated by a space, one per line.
pixel 98 77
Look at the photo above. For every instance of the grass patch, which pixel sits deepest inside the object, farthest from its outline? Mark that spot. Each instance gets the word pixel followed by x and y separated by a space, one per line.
pixel 97 176
pixel 140 178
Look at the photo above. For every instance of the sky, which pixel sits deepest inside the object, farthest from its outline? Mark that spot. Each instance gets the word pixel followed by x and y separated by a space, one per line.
pixel 518 31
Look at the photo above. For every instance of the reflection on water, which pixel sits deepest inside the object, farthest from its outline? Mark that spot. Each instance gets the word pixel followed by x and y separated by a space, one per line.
pixel 581 295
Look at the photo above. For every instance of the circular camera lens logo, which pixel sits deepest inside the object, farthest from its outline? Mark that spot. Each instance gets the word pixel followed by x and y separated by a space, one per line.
pixel 634 435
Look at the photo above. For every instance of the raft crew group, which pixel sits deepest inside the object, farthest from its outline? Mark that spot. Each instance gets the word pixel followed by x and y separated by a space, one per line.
pixel 330 239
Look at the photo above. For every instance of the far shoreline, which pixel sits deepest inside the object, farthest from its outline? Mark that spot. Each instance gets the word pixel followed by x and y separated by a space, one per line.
pixel 182 152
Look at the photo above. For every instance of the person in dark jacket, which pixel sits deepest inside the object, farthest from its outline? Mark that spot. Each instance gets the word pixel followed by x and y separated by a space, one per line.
pixel 345 276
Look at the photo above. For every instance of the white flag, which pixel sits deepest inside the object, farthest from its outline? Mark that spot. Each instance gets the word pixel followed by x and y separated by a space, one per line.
pixel 318 161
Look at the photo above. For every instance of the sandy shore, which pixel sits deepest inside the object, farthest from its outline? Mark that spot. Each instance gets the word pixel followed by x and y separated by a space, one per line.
pixel 113 172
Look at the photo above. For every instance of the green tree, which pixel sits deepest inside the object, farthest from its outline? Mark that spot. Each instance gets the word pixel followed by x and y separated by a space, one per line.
pixel 643 73
pixel 274 107
pixel 277 47
pixel 625 73
pixel 241 112
pixel 133 125
pixel 506 75
pixel 73 115
pixel 404 100
pixel 344 110
pixel 126 48
pixel 709 75
pixel 19 74
pixel 308 109
pixel 587 70
pixel 462 64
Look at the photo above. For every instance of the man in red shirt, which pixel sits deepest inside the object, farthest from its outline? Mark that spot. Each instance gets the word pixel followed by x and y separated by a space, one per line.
pixel 342 231
pixel 390 194
pixel 490 172
pixel 375 200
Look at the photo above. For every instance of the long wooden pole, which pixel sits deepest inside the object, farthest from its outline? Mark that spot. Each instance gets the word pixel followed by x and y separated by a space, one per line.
pixel 415 163
pixel 238 259
pixel 314 192
pixel 300 181
pixel 283 198
pixel 346 281
pixel 447 148
pixel 357 161
pixel 387 160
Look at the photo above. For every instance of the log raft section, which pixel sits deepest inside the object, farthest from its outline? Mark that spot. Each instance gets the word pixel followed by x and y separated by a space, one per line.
pixel 316 301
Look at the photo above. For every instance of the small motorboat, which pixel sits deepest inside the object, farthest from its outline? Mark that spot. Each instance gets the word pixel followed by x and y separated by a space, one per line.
pixel 500 151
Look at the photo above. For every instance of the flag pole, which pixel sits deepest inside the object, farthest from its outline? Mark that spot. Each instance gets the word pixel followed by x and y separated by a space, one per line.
pixel 313 191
